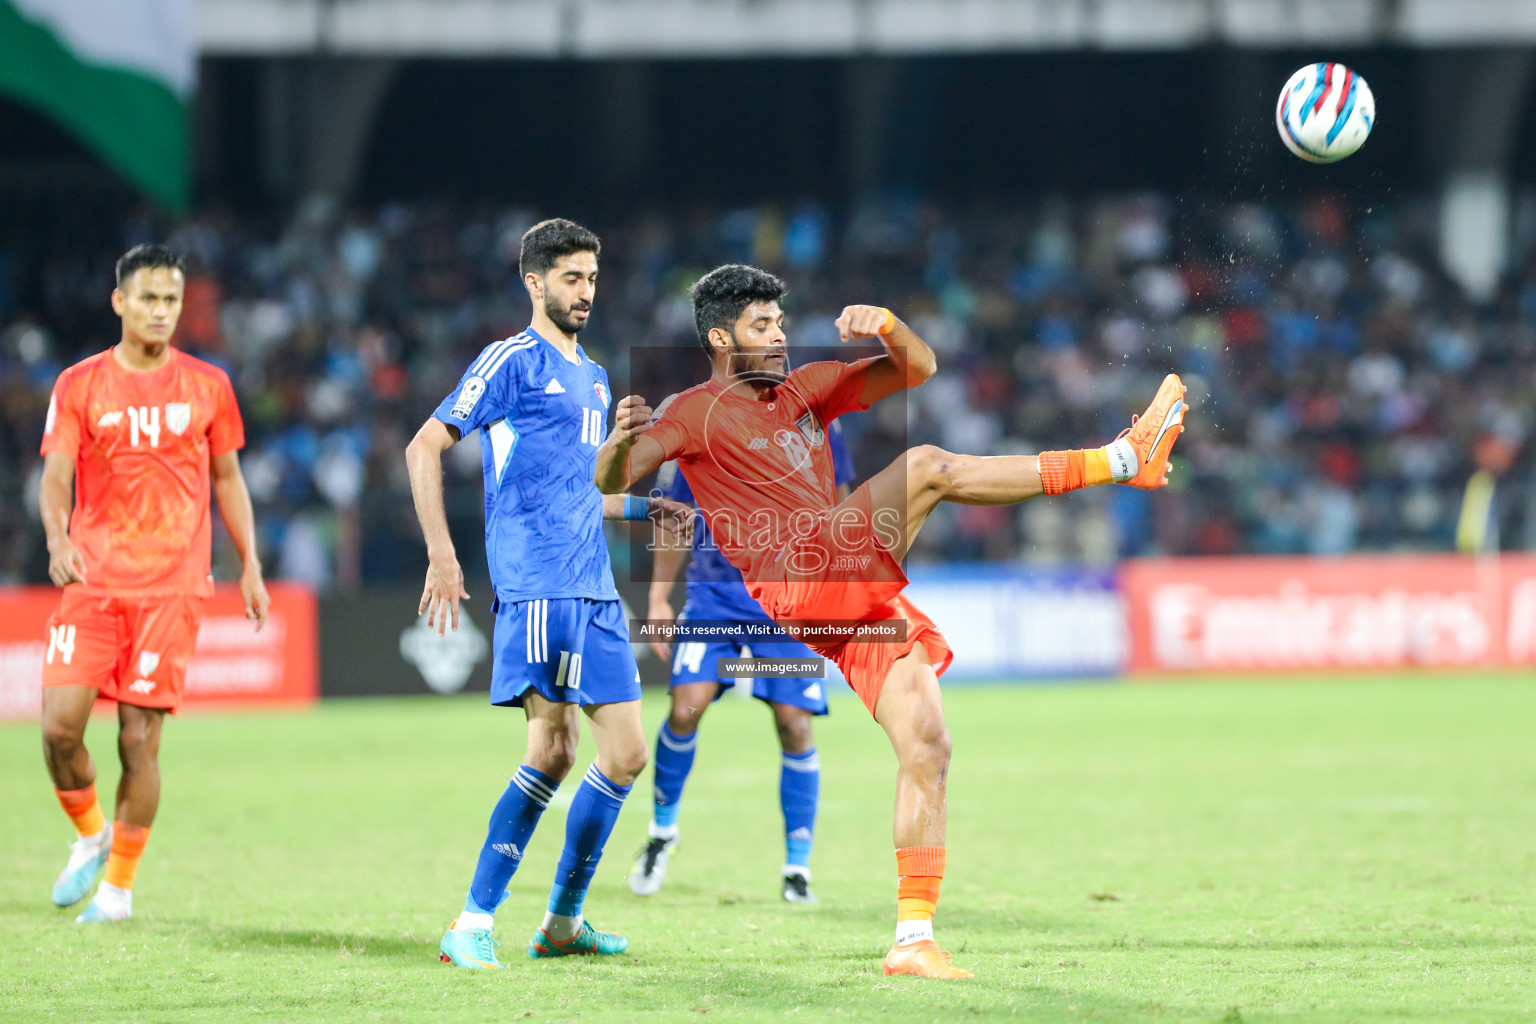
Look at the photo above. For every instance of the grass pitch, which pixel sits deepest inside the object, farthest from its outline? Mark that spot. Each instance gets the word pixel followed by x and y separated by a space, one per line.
pixel 1331 850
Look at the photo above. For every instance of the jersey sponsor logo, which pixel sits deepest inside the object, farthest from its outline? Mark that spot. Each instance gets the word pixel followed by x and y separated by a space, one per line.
pixel 53 413
pixel 554 387
pixel 142 686
pixel 148 662
pixel 757 444
pixel 602 393
pixel 469 397
pixel 811 429
pixel 109 419
pixel 178 417
pixel 508 850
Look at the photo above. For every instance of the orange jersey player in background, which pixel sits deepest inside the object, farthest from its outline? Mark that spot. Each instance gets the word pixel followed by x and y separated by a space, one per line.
pixel 750 441
pixel 142 433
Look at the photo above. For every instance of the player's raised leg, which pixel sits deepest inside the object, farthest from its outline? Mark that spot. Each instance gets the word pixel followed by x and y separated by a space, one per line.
pixel 553 732
pixel 915 483
pixel 911 711
pixel 66 711
pixel 621 757
pixel 676 741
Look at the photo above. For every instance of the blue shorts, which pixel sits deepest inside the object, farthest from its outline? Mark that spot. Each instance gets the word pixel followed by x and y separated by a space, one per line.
pixel 694 662
pixel 571 650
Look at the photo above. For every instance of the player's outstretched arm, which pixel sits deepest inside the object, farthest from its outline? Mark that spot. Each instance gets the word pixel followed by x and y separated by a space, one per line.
pixel 626 455
pixel 57 497
pixel 234 500
pixel 444 588
pixel 908 361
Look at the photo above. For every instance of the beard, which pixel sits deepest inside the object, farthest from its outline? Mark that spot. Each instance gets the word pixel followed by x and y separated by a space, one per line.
pixel 756 367
pixel 561 316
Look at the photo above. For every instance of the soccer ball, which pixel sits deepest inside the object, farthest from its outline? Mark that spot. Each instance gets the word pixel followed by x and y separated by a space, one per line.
pixel 1325 112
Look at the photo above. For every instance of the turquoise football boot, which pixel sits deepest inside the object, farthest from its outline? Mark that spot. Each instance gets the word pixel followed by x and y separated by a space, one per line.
pixel 588 940
pixel 85 860
pixel 95 913
pixel 474 949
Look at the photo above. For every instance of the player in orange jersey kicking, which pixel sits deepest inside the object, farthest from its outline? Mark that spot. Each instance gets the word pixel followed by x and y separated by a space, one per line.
pixel 751 443
pixel 142 433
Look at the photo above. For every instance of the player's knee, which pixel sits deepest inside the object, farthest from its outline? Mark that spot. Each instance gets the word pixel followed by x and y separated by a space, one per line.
pixel 137 743
pixel 625 766
pixel 930 465
pixel 61 739
pixel 796 735
pixel 684 721
pixel 556 756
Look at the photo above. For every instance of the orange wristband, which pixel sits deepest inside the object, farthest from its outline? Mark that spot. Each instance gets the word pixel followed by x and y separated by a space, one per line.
pixel 889 325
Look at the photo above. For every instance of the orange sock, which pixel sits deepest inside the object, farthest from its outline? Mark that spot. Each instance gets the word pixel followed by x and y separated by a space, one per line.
pixel 919 870
pixel 1061 472
pixel 127 847
pixel 83 809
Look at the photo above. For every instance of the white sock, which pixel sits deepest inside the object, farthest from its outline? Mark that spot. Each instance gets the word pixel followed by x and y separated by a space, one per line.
pixel 562 928
pixel 913 931
pixel 98 839
pixel 112 899
pixel 656 831
pixel 796 869
pixel 1122 460
pixel 470 921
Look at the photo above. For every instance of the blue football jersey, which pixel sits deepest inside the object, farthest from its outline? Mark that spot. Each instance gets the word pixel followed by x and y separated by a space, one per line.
pixel 715 588
pixel 541 418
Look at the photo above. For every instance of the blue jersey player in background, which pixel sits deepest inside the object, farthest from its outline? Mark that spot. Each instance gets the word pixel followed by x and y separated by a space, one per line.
pixel 561 645
pixel 715 592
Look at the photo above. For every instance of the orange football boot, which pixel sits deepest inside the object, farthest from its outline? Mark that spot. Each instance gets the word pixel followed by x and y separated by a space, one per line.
pixel 924 959
pixel 1153 432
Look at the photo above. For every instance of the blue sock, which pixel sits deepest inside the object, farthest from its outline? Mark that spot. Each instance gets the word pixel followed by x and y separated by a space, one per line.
pixel 674 760
pixel 593 812
pixel 512 823
pixel 799 786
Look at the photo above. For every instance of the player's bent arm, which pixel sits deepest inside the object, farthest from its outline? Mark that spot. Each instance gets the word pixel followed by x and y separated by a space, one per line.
pixel 54 502
pixel 235 509
pixel 444 587
pixel 621 462
pixel 908 361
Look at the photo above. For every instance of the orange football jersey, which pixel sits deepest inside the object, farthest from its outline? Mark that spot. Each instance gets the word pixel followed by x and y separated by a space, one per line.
pixel 142 442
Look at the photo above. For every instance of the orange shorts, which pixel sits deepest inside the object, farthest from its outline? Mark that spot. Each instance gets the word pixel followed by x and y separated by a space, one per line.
pixel 861 582
pixel 130 649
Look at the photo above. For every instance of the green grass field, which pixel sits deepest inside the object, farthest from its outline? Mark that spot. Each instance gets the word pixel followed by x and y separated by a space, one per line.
pixel 1332 850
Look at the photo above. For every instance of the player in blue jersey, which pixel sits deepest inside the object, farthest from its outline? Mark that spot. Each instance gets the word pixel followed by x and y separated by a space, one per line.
pixel 561 645
pixel 717 594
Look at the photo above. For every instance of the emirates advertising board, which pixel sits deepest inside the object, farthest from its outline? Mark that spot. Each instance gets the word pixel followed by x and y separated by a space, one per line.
pixel 232 665
pixel 1363 612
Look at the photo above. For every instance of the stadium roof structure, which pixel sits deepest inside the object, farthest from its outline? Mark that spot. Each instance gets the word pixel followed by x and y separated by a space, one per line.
pixel 715 28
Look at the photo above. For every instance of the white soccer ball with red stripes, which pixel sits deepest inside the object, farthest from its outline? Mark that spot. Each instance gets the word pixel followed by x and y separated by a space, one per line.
pixel 1326 112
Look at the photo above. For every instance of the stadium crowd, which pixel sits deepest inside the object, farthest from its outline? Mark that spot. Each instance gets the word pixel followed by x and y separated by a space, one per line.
pixel 1342 387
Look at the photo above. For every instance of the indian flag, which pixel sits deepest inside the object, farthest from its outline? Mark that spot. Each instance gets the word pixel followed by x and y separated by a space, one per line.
pixel 116 73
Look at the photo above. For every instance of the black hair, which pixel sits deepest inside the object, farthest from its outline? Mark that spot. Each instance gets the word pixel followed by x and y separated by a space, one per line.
pixel 547 241
pixel 720 296
pixel 141 257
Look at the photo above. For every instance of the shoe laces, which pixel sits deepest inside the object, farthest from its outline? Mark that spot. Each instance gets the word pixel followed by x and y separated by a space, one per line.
pixel 1135 418
pixel 485 944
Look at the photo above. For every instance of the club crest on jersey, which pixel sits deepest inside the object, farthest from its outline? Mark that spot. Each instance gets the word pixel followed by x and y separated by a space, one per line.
pixel 148 662
pixel 812 430
pixel 469 397
pixel 602 392
pixel 178 416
